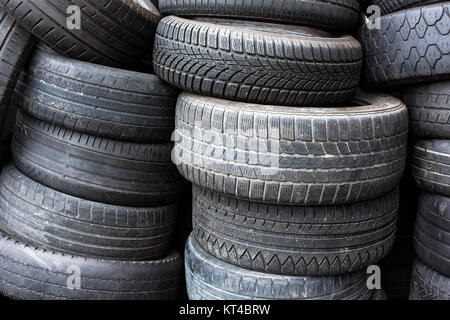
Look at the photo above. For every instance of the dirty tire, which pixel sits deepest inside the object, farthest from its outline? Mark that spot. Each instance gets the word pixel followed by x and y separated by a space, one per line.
pixel 208 278
pixel 283 155
pixel 379 294
pixel 97 100
pixel 28 273
pixel 295 240
pixel 429 109
pixel 113 32
pixel 389 6
pixel 93 168
pixel 427 284
pixel 45 218
pixel 430 165
pixel 15 46
pixel 336 15
pixel 411 46
pixel 432 232
pixel 257 62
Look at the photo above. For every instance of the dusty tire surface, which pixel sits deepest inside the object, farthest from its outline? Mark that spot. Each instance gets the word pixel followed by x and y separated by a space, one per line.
pixel 429 109
pixel 95 168
pixel 45 218
pixel 295 240
pixel 430 165
pixel 208 278
pixel 112 32
pixel 28 273
pixel 427 284
pixel 97 100
pixel 341 15
pixel 301 156
pixel 257 62
pixel 15 46
pixel 411 46
pixel 432 232
pixel 389 6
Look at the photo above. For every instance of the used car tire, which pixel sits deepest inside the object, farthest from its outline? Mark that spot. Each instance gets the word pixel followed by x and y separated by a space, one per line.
pixel 112 32
pixel 257 62
pixel 208 278
pixel 45 218
pixel 284 155
pixel 341 15
pixel 427 284
pixel 295 240
pixel 430 165
pixel 432 232
pixel 28 273
pixel 389 6
pixel 411 46
pixel 15 47
pixel 429 109
pixel 97 100
pixel 95 168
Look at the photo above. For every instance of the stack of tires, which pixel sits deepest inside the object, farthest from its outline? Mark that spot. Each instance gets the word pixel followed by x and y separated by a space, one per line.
pixel 88 204
pixel 295 176
pixel 412 47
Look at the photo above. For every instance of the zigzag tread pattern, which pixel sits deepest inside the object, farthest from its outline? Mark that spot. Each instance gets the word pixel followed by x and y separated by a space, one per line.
pixel 302 263
pixel 208 277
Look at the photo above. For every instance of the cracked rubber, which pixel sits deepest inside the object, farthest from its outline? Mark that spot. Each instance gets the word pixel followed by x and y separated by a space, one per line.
pixel 208 278
pixel 95 168
pixel 429 109
pixel 336 15
pixel 15 46
pixel 411 46
pixel 97 100
pixel 113 32
pixel 257 62
pixel 45 218
pixel 295 240
pixel 430 165
pixel 28 273
pixel 432 232
pixel 427 284
pixel 389 6
pixel 284 155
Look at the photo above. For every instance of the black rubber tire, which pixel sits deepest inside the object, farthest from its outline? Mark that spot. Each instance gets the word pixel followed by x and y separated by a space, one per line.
pixel 429 109
pixel 97 100
pixel 113 32
pixel 93 168
pixel 208 278
pixel 389 6
pixel 257 62
pixel 432 232
pixel 295 240
pixel 427 284
pixel 15 46
pixel 29 273
pixel 379 294
pixel 430 165
pixel 45 218
pixel 335 15
pixel 283 155
pixel 411 46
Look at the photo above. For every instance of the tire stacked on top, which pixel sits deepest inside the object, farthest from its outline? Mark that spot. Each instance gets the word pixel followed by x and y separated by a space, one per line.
pixel 88 205
pixel 412 48
pixel 294 175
